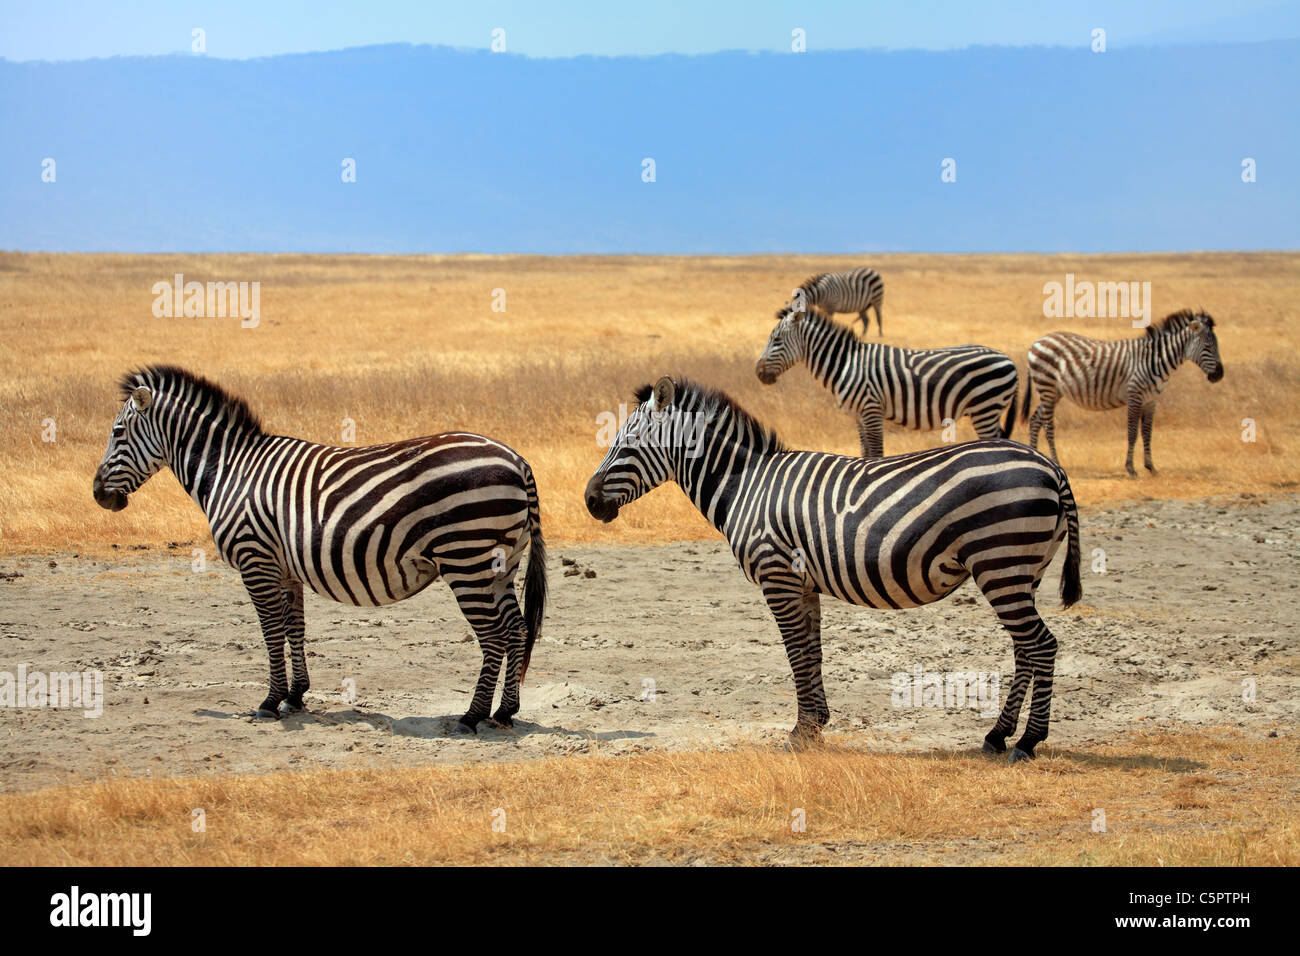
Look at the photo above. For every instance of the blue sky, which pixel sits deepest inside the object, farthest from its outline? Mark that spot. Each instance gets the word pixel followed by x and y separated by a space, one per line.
pixel 239 29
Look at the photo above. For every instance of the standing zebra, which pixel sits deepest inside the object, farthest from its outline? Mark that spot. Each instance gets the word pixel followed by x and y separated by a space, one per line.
pixel 892 533
pixel 854 291
pixel 365 526
pixel 917 388
pixel 1105 374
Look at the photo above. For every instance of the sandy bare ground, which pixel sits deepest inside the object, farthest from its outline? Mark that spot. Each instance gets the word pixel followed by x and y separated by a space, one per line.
pixel 1198 596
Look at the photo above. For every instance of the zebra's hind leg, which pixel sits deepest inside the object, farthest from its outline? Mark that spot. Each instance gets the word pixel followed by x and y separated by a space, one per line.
pixel 1042 658
pixel 514 627
pixel 480 607
pixel 995 742
pixel 880 323
pixel 798 615
pixel 1035 653
pixel 294 632
pixel 263 583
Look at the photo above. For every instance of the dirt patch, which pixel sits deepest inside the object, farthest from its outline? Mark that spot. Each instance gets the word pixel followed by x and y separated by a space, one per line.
pixel 1197 598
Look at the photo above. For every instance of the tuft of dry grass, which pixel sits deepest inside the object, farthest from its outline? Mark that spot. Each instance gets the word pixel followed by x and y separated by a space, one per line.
pixel 410 345
pixel 1215 797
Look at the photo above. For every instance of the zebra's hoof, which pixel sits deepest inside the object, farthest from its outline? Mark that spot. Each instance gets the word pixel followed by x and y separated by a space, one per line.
pixel 1018 755
pixel 263 714
pixel 462 729
pixel 288 708
pixel 988 748
pixel 502 721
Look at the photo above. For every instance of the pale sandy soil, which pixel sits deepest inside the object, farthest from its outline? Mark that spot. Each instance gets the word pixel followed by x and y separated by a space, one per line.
pixel 1198 597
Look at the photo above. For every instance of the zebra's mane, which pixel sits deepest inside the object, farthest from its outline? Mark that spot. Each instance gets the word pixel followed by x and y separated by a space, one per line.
pixel 811 281
pixel 713 401
pixel 1177 321
pixel 173 380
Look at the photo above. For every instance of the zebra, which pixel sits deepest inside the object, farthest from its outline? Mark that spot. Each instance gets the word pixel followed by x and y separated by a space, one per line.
pixel 854 291
pixel 896 532
pixel 1104 374
pixel 365 525
pixel 917 388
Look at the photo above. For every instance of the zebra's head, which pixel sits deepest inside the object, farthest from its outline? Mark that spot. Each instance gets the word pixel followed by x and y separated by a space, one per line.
pixel 640 456
pixel 134 453
pixel 785 345
pixel 1203 349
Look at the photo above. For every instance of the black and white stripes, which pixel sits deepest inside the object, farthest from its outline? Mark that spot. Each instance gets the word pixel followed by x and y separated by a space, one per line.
pixel 1100 375
pixel 365 526
pixel 891 533
pixel 916 388
pixel 854 291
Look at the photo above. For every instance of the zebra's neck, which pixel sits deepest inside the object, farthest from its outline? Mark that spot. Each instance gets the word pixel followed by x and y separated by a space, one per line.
pixel 834 356
pixel 1164 353
pixel 728 452
pixel 204 448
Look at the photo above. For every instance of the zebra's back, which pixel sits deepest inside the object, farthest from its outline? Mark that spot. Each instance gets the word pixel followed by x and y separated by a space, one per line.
pixel 852 291
pixel 920 388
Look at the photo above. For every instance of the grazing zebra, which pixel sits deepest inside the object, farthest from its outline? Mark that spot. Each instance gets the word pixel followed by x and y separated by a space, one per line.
pixel 854 291
pixel 917 388
pixel 365 526
pixel 1105 374
pixel 892 533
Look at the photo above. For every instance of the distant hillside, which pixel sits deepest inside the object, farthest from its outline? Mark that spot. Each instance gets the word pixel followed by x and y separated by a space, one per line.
pixel 1132 149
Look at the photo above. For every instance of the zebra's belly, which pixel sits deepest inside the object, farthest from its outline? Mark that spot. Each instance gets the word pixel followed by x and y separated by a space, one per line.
pixel 370 585
pixel 891 596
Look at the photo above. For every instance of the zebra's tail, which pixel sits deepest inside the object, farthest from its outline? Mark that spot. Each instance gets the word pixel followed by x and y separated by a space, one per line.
pixel 1029 390
pixel 535 575
pixel 1071 586
pixel 1011 416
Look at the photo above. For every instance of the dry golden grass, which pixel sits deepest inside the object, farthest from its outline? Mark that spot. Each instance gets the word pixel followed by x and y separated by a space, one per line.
pixel 409 346
pixel 1169 799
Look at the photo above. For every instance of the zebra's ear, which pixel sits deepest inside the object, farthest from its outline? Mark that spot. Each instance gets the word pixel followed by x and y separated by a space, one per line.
pixel 1196 325
pixel 665 390
pixel 142 398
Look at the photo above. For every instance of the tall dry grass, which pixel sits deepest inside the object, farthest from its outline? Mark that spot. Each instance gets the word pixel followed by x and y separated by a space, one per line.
pixel 1168 799
pixel 410 345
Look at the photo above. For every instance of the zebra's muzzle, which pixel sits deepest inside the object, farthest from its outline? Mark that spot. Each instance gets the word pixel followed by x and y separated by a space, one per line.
pixel 111 500
pixel 1217 374
pixel 766 374
pixel 598 506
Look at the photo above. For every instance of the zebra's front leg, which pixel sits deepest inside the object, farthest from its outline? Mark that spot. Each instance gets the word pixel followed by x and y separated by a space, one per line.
pixel 264 588
pixel 880 322
pixel 295 633
pixel 798 615
pixel 1148 416
pixel 866 322
pixel 1134 418
pixel 871 433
